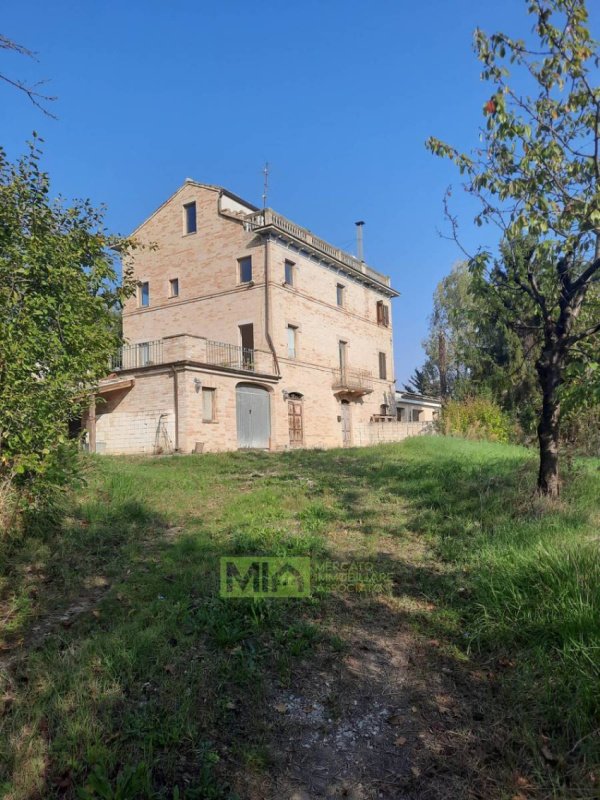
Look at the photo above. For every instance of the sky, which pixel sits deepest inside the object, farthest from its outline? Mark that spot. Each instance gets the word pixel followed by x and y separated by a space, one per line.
pixel 338 96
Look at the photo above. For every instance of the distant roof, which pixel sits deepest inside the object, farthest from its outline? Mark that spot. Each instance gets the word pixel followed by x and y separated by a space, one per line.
pixel 414 397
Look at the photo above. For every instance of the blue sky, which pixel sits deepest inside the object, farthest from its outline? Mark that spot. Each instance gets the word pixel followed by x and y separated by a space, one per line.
pixel 338 95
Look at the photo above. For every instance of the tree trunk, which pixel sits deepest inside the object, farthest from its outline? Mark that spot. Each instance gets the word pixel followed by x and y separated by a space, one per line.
pixel 548 428
pixel 443 367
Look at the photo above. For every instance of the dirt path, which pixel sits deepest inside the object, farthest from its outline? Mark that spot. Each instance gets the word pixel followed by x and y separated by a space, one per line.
pixel 390 718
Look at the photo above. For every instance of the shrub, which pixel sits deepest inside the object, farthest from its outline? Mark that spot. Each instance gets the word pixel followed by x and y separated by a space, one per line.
pixel 476 417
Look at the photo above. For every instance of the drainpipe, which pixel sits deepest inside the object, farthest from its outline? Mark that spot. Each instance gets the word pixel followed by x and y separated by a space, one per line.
pixel 268 310
pixel 176 405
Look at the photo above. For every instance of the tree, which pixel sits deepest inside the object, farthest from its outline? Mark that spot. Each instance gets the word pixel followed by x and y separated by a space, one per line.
pixel 537 175
pixel 58 290
pixel 37 97
pixel 424 381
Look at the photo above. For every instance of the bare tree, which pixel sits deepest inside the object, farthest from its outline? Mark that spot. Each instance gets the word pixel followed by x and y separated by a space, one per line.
pixel 33 91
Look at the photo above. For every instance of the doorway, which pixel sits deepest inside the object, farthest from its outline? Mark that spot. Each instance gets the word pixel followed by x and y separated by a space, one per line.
pixel 295 421
pixel 346 423
pixel 253 411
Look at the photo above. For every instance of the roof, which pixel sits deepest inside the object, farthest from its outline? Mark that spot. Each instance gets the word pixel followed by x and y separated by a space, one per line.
pixel 415 398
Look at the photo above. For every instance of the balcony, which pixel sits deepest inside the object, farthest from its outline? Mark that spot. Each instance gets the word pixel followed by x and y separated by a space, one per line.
pixel 196 349
pixel 138 355
pixel 269 218
pixel 355 382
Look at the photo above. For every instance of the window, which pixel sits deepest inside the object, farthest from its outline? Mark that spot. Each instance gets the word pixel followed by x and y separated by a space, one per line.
pixel 383 314
pixel 341 290
pixel 144 354
pixel 189 211
pixel 291 339
pixel 343 349
pixel 174 287
pixel 383 410
pixel 415 414
pixel 144 294
pixel 401 412
pixel 245 269
pixel 382 367
pixel 208 405
pixel 289 273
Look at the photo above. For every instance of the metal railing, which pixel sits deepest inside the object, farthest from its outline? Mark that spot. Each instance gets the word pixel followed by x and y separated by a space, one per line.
pixel 230 355
pixel 133 356
pixel 352 380
pixel 270 217
pixel 193 348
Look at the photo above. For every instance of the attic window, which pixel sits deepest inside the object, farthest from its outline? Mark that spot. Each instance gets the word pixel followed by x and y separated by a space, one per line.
pixel 189 211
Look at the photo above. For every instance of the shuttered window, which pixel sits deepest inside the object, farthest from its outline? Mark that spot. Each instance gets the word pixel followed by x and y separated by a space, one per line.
pixel 383 314
pixel 382 367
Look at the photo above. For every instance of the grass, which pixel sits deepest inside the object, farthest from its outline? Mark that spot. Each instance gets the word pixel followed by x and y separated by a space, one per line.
pixel 140 682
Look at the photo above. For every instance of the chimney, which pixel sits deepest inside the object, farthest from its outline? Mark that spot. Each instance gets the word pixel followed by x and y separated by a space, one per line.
pixel 359 240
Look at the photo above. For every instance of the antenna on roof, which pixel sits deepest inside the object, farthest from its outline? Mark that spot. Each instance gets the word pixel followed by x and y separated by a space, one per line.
pixel 265 184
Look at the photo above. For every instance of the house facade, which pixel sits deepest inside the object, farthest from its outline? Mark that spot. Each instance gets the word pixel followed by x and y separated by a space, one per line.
pixel 413 407
pixel 247 331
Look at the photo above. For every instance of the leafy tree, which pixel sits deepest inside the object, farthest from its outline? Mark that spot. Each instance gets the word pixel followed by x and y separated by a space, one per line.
pixel 58 290
pixel 451 329
pixel 537 174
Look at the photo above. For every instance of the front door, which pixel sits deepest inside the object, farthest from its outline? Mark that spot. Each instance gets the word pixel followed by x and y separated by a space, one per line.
pixel 253 417
pixel 346 424
pixel 295 423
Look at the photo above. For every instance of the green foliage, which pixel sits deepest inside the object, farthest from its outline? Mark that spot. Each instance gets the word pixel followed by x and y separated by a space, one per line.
pixel 536 176
pixel 476 418
pixel 58 294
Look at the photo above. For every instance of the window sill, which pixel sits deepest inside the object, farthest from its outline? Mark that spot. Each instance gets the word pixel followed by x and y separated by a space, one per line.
pixel 246 283
pixel 210 421
pixel 190 233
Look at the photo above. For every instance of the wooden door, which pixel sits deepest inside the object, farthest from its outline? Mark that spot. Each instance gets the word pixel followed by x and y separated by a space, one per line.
pixel 296 423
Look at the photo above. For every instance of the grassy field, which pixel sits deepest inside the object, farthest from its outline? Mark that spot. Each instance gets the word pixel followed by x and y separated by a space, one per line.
pixel 124 675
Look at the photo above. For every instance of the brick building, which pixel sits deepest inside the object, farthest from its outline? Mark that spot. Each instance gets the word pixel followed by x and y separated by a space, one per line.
pixel 247 331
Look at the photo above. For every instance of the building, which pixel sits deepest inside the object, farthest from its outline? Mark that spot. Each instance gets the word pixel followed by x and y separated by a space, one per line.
pixel 247 331
pixel 413 407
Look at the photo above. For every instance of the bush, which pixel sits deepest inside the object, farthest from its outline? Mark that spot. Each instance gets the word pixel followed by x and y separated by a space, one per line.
pixel 581 430
pixel 476 417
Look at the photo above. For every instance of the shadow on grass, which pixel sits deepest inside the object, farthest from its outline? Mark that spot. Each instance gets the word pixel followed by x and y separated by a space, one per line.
pixel 142 682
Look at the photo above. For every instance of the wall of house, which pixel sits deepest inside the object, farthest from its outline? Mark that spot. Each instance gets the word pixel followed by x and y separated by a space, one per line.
pixel 311 306
pixel 137 420
pixel 427 414
pixel 211 300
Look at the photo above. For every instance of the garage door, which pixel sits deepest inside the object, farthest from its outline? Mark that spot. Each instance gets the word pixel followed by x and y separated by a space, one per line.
pixel 253 416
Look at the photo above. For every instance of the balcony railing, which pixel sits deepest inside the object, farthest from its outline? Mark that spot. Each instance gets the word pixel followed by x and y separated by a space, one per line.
pixel 184 347
pixel 138 355
pixel 230 355
pixel 269 217
pixel 353 381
